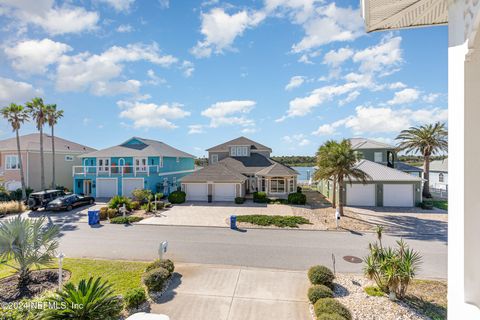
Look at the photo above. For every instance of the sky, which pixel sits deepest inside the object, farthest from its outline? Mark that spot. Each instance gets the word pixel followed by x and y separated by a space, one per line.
pixel 289 74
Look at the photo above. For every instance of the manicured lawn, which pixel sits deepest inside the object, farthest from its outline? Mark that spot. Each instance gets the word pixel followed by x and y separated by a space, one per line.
pixel 278 221
pixel 123 275
pixel 440 204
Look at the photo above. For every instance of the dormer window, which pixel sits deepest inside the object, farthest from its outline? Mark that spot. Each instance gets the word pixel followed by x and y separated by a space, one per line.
pixel 239 151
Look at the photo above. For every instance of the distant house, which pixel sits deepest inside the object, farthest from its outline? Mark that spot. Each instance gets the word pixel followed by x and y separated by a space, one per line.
pixel 438 178
pixel 392 183
pixel 135 164
pixel 237 168
pixel 67 155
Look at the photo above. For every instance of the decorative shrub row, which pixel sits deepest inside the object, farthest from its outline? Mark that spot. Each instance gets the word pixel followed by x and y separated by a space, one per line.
pixel 125 220
pixel 177 197
pixel 157 274
pixel 278 221
pixel 134 298
pixel 319 291
pixel 239 200
pixel 321 275
pixel 162 263
pixel 329 308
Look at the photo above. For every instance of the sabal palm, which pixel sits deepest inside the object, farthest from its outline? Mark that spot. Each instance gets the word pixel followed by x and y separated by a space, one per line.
pixel 90 300
pixel 16 115
pixel 38 113
pixel 52 118
pixel 427 140
pixel 338 161
pixel 29 243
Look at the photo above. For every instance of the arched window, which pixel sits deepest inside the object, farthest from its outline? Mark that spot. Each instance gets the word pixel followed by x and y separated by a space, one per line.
pixel 440 177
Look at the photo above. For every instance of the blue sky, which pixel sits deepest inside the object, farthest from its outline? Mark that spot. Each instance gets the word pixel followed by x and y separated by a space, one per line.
pixel 287 73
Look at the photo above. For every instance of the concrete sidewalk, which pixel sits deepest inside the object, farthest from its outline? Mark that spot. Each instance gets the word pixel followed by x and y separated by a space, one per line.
pixel 205 292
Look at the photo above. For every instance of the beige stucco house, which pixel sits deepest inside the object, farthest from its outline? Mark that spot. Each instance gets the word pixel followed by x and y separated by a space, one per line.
pixel 66 156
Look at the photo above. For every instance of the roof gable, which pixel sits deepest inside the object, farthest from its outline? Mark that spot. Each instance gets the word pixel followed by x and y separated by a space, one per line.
pixel 363 143
pixel 134 143
pixel 31 142
pixel 240 141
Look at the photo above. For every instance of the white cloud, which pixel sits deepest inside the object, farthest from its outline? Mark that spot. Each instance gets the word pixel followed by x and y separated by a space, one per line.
pixel 164 4
pixel 405 96
pixel 295 82
pixel 397 85
pixel 12 91
pixel 307 56
pixel 34 56
pixel 195 129
pixel 119 5
pixel 188 68
pixel 151 115
pixel 154 79
pixel 352 96
pixel 380 58
pixel 335 58
pixel 105 88
pixel 124 28
pixel 53 19
pixel 230 113
pixel 220 30
pixel 431 97
pixel 297 139
pixel 249 130
pixel 329 128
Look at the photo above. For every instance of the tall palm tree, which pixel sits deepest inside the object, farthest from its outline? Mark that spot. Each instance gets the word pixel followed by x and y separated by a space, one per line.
pixel 38 113
pixel 16 115
pixel 337 161
pixel 427 140
pixel 52 118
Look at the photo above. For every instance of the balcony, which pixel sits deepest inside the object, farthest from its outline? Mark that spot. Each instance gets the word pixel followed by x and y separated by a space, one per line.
pixel 115 171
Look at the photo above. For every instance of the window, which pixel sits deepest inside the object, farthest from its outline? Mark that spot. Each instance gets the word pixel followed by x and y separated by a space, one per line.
pixel 11 162
pixel 277 185
pixel 178 159
pixel 214 158
pixel 141 164
pixel 262 185
pixel 239 151
pixel 291 185
pixel 68 158
pixel 440 177
pixel 103 165
pixel 378 156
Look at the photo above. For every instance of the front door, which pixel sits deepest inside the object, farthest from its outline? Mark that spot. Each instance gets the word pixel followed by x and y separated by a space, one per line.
pixel 87 187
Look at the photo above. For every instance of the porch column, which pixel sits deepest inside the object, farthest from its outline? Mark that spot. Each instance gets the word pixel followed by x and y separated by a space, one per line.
pixel 464 152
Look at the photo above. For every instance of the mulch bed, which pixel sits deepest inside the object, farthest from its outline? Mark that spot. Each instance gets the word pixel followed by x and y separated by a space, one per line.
pixel 41 281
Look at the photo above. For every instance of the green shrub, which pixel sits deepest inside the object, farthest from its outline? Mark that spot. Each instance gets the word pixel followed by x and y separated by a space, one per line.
pixel 118 201
pixel 321 275
pixel 239 200
pixel 278 221
pixel 159 195
pixel 111 213
pixel 142 195
pixel 330 316
pixel 374 291
pixel 160 205
pixel 299 189
pixel 297 198
pixel 155 279
pixel 125 220
pixel 104 213
pixel 167 264
pixel 331 306
pixel 134 298
pixel 260 197
pixel 16 195
pixel 319 291
pixel 177 197
pixel 135 205
pixel 427 204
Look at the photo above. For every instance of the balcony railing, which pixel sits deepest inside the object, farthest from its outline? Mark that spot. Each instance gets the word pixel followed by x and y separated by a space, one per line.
pixel 112 171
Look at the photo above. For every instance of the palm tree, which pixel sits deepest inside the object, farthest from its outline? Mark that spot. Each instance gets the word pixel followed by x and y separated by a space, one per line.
pixel 427 140
pixel 337 161
pixel 52 118
pixel 16 115
pixel 38 113
pixel 28 243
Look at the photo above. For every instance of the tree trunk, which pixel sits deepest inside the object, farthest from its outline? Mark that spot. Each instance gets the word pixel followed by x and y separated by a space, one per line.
pixel 340 196
pixel 53 159
pixel 334 196
pixel 22 175
pixel 23 279
pixel 42 163
pixel 426 175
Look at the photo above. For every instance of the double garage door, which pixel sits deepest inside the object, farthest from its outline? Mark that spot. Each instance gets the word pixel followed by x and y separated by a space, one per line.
pixel 220 191
pixel 107 187
pixel 394 195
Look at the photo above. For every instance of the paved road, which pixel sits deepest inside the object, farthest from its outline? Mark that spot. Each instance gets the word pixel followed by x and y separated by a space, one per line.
pixel 263 248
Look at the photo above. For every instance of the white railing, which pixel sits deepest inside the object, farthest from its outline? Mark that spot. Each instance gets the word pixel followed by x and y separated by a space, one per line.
pixel 141 170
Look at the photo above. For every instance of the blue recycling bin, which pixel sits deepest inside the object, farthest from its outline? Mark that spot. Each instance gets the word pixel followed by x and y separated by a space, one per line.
pixel 93 217
pixel 233 222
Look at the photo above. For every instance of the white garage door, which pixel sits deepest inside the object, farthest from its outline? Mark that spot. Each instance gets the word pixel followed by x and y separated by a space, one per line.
pixel 197 191
pixel 361 195
pixel 398 195
pixel 106 188
pixel 224 192
pixel 128 185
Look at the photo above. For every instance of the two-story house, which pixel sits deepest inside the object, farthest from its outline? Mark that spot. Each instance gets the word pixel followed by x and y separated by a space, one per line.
pixel 237 168
pixel 135 164
pixel 392 183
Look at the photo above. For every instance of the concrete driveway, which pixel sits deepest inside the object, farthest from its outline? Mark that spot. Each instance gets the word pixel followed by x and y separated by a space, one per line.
pixel 205 292
pixel 214 214
pixel 64 217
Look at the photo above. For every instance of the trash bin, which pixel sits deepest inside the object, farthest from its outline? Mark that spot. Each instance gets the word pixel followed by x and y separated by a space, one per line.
pixel 93 217
pixel 233 222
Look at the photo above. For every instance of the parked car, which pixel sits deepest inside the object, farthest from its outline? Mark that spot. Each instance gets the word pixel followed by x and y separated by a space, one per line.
pixel 37 200
pixel 69 202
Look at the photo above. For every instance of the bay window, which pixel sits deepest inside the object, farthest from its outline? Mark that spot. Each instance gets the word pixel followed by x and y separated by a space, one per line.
pixel 277 185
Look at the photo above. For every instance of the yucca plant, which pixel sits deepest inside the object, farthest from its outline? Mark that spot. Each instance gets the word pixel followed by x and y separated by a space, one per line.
pixel 28 242
pixel 90 300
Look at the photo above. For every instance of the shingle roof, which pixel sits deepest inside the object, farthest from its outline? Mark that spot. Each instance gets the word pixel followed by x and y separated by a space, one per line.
pixel 363 143
pixel 402 166
pixel 247 165
pixel 380 172
pixel 277 169
pixel 31 142
pixel 216 173
pixel 153 148
pixel 240 141
pixel 439 165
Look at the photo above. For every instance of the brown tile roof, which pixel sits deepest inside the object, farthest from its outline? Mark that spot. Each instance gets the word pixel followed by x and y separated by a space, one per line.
pixel 31 142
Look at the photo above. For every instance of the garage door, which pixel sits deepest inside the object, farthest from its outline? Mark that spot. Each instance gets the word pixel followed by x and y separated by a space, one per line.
pixel 361 195
pixel 197 191
pixel 106 188
pixel 224 192
pixel 398 195
pixel 128 185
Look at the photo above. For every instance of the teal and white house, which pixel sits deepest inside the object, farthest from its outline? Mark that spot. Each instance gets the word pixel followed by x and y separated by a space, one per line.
pixel 135 164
